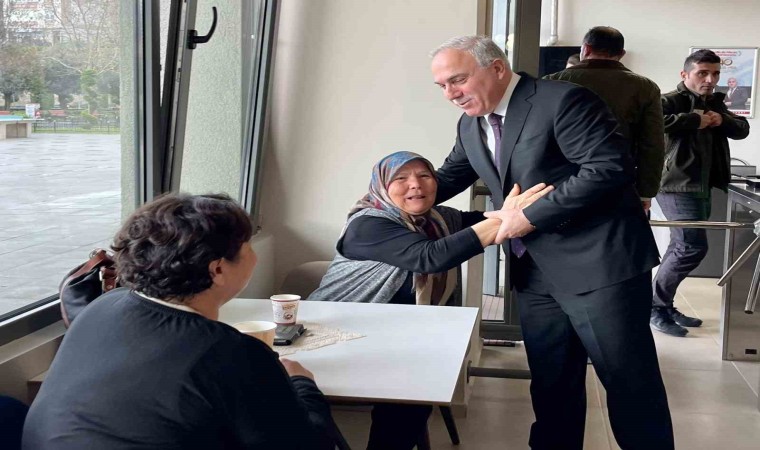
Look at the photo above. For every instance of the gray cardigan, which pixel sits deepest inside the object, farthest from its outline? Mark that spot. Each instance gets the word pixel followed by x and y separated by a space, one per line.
pixel 349 280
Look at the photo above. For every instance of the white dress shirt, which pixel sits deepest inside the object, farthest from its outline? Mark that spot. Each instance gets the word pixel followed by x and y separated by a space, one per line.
pixel 501 109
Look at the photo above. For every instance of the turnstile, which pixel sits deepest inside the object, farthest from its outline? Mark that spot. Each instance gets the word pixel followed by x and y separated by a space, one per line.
pixel 740 329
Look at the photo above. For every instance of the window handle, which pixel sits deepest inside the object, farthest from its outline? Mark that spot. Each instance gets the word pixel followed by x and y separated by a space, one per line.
pixel 193 39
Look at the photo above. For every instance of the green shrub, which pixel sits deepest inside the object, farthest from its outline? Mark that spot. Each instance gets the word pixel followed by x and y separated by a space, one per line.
pixel 89 120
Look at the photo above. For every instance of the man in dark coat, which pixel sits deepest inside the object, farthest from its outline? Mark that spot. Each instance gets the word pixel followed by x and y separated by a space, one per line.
pixel 634 99
pixel 697 128
pixel 580 256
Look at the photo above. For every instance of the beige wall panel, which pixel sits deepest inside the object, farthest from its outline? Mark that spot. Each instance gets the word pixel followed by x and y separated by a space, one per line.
pixel 352 83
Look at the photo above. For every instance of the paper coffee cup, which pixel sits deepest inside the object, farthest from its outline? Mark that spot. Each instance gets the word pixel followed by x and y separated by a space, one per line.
pixel 259 329
pixel 285 308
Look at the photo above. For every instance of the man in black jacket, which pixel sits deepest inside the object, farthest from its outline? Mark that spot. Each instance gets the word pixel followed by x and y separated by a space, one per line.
pixel 697 128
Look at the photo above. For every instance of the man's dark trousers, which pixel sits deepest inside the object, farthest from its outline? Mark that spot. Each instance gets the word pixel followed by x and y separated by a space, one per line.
pixel 687 248
pixel 608 325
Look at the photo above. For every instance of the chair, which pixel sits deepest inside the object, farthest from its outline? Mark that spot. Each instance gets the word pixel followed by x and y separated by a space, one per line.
pixel 305 279
pixel 12 416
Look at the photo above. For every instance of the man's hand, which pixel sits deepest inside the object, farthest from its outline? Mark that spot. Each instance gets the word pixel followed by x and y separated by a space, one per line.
pixel 716 118
pixel 704 120
pixel 513 221
pixel 513 224
pixel 646 204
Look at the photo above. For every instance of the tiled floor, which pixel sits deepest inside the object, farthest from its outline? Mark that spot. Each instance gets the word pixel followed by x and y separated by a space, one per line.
pixel 713 403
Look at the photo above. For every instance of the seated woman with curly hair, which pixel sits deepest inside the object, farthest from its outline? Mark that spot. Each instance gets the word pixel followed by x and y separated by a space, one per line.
pixel 149 366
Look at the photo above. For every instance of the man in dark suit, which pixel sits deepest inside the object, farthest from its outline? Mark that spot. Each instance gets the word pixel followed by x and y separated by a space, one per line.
pixel 581 256
pixel 736 96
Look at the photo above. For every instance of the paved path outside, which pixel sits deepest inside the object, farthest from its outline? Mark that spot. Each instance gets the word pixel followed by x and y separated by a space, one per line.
pixel 60 197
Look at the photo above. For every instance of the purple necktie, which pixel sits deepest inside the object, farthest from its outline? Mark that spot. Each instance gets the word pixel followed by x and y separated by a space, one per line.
pixel 515 244
pixel 495 121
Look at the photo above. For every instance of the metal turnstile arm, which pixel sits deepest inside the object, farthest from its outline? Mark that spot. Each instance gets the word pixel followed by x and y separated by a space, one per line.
pixel 754 286
pixel 754 291
pixel 743 258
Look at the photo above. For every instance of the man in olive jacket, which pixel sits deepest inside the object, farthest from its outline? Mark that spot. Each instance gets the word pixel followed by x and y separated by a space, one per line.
pixel 697 126
pixel 633 99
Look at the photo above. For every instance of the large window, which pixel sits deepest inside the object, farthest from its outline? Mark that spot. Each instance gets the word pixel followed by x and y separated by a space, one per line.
pixel 103 108
pixel 60 140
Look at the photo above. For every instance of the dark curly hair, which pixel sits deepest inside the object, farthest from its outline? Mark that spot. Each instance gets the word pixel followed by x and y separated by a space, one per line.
pixel 165 247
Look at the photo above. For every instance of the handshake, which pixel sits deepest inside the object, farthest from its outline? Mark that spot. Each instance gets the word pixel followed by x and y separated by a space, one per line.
pixel 514 224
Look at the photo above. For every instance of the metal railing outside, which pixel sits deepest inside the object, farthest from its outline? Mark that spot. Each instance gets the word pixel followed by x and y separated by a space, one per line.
pixel 76 124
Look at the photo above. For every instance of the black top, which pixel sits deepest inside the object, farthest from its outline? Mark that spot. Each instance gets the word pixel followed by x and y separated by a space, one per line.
pixel 135 374
pixel 379 239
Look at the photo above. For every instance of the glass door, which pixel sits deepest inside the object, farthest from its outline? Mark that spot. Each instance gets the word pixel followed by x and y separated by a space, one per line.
pixel 514 25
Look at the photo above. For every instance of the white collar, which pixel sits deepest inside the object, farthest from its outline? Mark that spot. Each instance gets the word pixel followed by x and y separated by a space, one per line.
pixel 165 303
pixel 501 108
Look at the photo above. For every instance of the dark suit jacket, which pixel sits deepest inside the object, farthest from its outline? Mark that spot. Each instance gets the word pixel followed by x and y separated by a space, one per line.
pixel 739 98
pixel 591 231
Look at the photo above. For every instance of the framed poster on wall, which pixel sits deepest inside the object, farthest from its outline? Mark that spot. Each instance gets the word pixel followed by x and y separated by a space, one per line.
pixel 737 77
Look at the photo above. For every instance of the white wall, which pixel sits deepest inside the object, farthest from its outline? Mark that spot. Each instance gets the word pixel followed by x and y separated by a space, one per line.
pixel 658 35
pixel 352 84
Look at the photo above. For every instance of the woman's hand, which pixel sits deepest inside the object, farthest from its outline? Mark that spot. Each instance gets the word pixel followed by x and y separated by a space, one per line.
pixel 295 369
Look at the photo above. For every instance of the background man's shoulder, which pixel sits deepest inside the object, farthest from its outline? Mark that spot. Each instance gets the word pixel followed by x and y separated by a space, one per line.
pixel 675 97
pixel 562 91
pixel 555 76
pixel 556 86
pixel 643 81
pixel 671 95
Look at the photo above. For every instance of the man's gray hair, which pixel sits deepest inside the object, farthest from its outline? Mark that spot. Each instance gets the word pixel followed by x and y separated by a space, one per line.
pixel 482 48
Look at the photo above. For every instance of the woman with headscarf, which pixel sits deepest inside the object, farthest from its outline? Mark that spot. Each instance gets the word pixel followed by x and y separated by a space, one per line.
pixel 397 247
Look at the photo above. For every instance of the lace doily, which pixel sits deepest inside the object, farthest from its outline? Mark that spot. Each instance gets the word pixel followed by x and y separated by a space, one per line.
pixel 316 336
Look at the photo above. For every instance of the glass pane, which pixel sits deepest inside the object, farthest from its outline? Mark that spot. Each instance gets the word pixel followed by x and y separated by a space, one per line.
pixel 502 33
pixel 164 11
pixel 61 125
pixel 499 25
pixel 503 26
pixel 218 93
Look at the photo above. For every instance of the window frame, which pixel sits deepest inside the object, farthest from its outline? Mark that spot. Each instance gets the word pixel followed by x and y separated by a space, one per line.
pixel 257 108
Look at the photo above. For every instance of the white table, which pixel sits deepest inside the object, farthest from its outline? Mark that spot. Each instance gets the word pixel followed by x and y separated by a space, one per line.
pixel 410 354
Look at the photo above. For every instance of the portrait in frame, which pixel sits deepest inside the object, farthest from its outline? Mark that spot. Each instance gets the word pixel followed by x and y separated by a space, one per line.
pixel 737 77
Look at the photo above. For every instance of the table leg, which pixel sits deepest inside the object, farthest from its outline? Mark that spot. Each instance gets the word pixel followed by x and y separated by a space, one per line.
pixel 451 426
